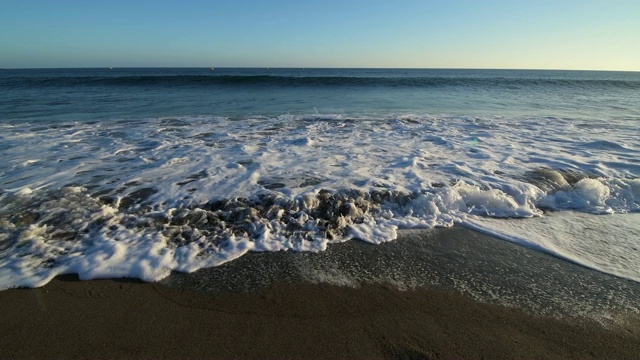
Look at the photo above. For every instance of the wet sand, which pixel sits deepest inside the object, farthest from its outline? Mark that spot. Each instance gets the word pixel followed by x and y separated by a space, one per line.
pixel 289 317
pixel 120 319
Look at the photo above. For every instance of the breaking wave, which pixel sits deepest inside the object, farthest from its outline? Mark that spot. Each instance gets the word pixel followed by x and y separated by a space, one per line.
pixel 141 198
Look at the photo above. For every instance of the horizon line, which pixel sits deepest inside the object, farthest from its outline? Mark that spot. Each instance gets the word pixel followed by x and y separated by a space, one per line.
pixel 307 67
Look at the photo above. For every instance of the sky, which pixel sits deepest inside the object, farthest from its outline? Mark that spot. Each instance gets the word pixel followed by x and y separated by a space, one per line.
pixel 509 34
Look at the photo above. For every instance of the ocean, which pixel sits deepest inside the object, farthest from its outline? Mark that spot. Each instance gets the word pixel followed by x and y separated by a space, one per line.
pixel 138 173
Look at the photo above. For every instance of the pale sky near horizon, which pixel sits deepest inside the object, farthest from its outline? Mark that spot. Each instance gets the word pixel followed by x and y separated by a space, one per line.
pixel 507 34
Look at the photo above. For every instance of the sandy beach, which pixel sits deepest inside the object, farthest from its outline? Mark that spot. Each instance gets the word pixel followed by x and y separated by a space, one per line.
pixel 122 319
pixel 288 318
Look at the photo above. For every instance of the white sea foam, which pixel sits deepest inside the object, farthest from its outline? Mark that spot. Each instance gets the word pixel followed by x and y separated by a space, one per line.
pixel 607 243
pixel 141 198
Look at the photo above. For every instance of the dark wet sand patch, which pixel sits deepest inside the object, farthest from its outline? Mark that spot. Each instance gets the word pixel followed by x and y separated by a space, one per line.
pixel 296 319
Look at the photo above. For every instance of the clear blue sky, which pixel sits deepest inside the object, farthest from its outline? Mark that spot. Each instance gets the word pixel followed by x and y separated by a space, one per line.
pixel 539 34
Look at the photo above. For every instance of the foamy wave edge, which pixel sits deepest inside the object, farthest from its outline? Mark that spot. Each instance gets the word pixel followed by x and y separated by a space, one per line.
pixel 46 233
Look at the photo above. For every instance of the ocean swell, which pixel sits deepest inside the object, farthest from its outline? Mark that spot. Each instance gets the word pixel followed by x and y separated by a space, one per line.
pixel 213 80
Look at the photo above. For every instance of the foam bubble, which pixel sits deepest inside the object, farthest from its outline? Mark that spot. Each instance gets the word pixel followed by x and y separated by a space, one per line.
pixel 25 191
pixel 593 191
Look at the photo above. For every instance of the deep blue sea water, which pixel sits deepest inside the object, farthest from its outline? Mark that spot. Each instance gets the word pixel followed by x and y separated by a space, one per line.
pixel 139 172
pixel 90 94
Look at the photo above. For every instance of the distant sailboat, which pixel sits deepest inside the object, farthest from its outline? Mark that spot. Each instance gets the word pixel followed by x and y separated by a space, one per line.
pixel 212 68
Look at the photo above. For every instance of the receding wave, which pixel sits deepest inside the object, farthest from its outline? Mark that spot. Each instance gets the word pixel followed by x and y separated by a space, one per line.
pixel 144 197
pixel 321 81
pixel 47 233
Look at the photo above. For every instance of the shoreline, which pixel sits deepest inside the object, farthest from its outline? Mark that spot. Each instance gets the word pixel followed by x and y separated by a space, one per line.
pixel 439 293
